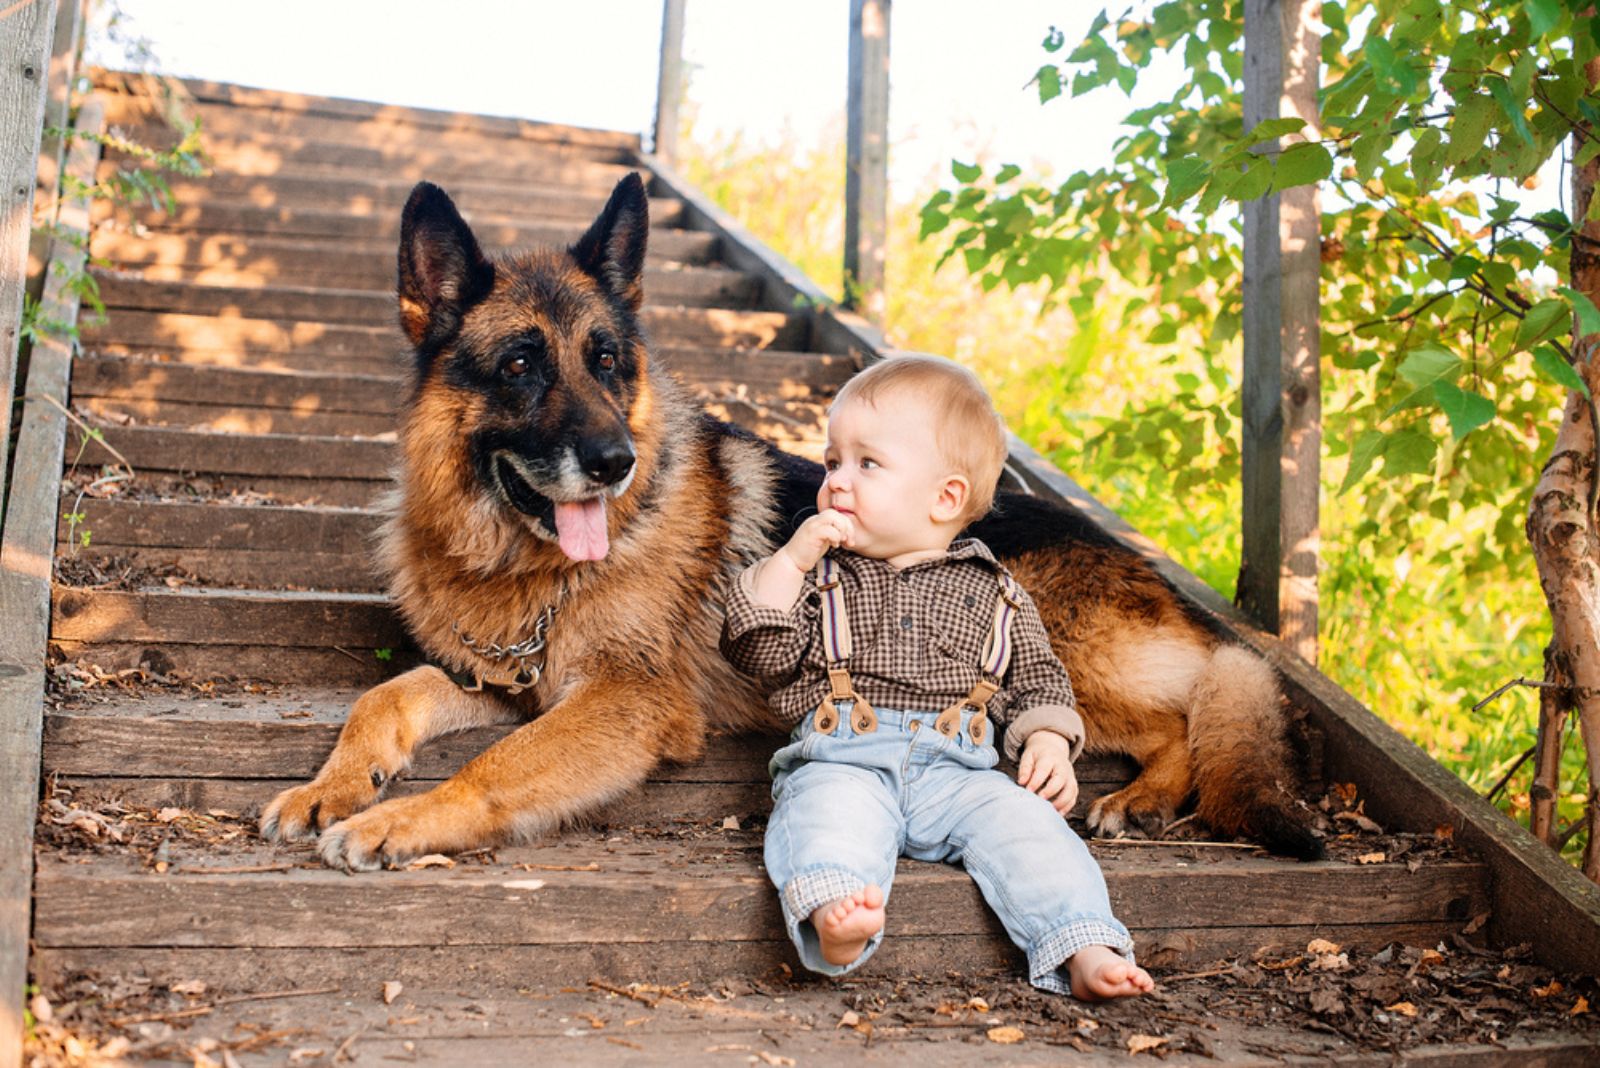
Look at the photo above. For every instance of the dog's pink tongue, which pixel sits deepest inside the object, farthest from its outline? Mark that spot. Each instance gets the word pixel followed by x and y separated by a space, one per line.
pixel 581 529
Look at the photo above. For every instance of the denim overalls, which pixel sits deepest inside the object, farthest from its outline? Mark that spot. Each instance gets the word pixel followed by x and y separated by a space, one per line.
pixel 858 787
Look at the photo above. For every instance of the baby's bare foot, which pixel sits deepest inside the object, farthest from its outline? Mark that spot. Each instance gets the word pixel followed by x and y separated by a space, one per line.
pixel 1099 973
pixel 845 926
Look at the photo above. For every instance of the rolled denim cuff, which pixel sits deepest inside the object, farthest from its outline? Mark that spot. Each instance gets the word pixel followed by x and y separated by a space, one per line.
pixel 806 893
pixel 1047 959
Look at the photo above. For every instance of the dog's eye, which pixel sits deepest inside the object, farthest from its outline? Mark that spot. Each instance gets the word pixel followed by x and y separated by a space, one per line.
pixel 515 367
pixel 607 361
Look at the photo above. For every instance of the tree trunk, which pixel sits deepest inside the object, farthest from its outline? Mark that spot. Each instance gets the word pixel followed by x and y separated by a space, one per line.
pixel 1566 548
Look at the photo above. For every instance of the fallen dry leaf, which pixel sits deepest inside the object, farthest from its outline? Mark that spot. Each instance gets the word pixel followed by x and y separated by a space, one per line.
pixel 1580 1006
pixel 1554 988
pixel 432 860
pixel 1476 923
pixel 1145 1043
pixel 1321 945
pixel 39 1005
pixel 167 815
pixel 1087 1026
pixel 391 990
pixel 1429 958
pixel 730 823
pixel 849 1019
pixel 977 1004
pixel 201 1060
pixel 305 1053
pixel 192 988
pixel 1371 858
pixel 773 1059
pixel 1359 820
pixel 1005 1036
pixel 1404 1008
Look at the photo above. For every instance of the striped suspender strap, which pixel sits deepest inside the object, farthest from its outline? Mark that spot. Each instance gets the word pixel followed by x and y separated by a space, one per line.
pixel 836 648
pixel 997 650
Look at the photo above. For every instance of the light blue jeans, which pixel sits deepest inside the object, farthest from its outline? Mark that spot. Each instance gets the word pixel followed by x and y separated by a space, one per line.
pixel 847 805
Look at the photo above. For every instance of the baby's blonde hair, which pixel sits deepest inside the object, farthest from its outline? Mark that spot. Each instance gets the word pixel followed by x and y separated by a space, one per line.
pixel 970 433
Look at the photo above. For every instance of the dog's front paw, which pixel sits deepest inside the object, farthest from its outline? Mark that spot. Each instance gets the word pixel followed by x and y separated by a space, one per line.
pixel 391 834
pixel 1125 810
pixel 302 812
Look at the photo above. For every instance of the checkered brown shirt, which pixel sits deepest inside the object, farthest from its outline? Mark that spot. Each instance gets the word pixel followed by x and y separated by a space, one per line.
pixel 917 638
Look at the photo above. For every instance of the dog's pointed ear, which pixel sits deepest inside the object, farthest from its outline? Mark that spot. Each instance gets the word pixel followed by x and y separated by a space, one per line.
pixel 442 270
pixel 612 252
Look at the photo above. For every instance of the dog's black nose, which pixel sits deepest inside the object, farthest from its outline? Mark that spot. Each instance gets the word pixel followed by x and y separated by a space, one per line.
pixel 606 462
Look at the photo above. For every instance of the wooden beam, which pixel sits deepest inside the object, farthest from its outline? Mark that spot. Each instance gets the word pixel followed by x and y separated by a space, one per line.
pixel 866 176
pixel 53 147
pixel 26 31
pixel 669 85
pixel 1282 405
pixel 30 535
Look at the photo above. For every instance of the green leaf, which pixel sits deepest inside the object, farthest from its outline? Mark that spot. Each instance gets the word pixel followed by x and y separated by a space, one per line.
pixel 1049 82
pixel 1469 130
pixel 1408 452
pixel 965 172
pixel 1588 314
pixel 1006 173
pixel 1423 368
pixel 1425 164
pixel 1366 450
pixel 1501 91
pixel 1302 164
pixel 1467 410
pixel 1543 15
pixel 1554 366
pixel 1185 177
pixel 1368 153
pixel 1544 320
pixel 1272 129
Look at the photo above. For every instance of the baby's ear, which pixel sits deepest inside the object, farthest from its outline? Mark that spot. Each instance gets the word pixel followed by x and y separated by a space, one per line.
pixel 952 500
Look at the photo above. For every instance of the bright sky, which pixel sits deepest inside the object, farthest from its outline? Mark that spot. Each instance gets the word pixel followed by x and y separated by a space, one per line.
pixel 958 69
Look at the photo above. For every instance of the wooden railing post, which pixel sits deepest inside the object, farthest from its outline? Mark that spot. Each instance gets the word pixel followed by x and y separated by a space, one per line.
pixel 866 179
pixel 27 28
pixel 669 86
pixel 1282 391
pixel 52 146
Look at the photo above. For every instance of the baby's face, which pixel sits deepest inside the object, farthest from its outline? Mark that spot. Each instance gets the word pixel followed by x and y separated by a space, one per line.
pixel 885 471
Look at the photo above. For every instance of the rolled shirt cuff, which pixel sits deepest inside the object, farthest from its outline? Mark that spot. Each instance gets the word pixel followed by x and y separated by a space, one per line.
pixel 745 614
pixel 1061 719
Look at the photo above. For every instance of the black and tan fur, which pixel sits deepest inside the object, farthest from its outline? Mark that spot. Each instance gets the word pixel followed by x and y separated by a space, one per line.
pixel 533 384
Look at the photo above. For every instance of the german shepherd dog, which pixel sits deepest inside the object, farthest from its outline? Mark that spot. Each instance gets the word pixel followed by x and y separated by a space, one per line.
pixel 565 519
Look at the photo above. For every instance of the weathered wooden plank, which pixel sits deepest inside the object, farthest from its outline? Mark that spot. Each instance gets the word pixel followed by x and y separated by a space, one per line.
pixel 52 146
pixel 451 967
pixel 372 307
pixel 181 524
pixel 683 327
pixel 260 298
pixel 264 103
pixel 1537 897
pixel 866 170
pixel 669 82
pixel 261 745
pixel 281 619
pixel 304 260
pixel 29 533
pixel 344 664
pixel 231 419
pixel 1282 429
pixel 368 193
pixel 24 70
pixel 112 903
pixel 276 455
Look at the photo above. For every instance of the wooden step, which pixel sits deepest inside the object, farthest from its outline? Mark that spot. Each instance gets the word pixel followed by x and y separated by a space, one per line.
pixel 386 197
pixel 700 287
pixel 131 90
pixel 378 346
pixel 675 898
pixel 256 546
pixel 494 231
pixel 344 264
pixel 282 636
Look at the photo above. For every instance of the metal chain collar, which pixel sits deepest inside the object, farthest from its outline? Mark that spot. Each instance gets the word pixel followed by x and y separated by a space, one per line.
pixel 523 653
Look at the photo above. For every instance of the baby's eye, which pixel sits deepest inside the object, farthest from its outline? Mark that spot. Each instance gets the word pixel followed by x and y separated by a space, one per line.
pixel 868 464
pixel 830 465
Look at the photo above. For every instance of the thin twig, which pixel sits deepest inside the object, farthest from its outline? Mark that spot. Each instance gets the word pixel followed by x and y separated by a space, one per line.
pixel 1196 975
pixel 1158 842
pixel 93 432
pixel 151 1017
pixel 274 995
pixel 1512 770
pixel 352 656
pixel 1518 681
pixel 244 869
pixel 341 1052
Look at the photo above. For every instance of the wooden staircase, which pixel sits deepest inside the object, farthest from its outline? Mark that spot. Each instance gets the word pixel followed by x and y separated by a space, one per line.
pixel 247 373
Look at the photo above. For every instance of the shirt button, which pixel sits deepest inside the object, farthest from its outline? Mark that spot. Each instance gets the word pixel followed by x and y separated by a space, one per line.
pixel 906 622
pixel 904 577
pixel 971 600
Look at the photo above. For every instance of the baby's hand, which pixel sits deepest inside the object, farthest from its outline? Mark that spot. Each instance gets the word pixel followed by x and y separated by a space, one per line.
pixel 823 531
pixel 1046 769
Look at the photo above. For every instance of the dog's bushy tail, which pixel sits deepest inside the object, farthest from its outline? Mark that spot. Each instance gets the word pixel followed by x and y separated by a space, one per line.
pixel 1243 770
